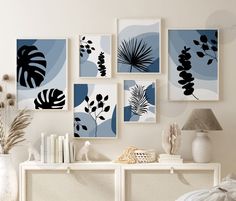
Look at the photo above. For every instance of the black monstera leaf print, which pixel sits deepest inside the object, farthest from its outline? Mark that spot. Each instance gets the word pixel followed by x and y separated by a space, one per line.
pixel 31 65
pixel 50 99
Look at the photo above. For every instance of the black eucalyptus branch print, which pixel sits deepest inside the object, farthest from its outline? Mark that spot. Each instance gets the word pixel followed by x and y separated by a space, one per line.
pixel 208 48
pixel 96 108
pixel 138 100
pixel 31 65
pixel 136 54
pixel 101 66
pixel 50 99
pixel 86 46
pixel 187 78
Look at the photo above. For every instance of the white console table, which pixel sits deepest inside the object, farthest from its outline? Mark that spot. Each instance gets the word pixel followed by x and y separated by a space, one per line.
pixel 119 172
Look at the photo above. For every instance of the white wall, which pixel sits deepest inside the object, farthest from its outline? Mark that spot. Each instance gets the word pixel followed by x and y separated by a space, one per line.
pixel 69 18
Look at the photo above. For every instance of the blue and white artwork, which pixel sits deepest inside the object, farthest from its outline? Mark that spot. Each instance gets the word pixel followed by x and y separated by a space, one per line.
pixel 95 107
pixel 42 74
pixel 139 101
pixel 193 65
pixel 95 56
pixel 138 46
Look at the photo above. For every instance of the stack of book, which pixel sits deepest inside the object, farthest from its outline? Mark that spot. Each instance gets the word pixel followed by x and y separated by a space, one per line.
pixel 168 158
pixel 57 149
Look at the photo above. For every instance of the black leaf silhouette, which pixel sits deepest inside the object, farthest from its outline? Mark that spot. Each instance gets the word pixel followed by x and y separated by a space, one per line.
pixel 101 117
pixel 76 135
pixel 84 127
pixel 77 119
pixel 214 48
pixel 99 97
pixel 86 109
pixel 187 78
pixel 78 125
pixel 50 99
pixel 85 46
pixel 209 61
pixel 196 42
pixel 214 41
pixel 31 65
pixel 100 104
pixel 200 54
pixel 86 99
pixel 94 109
pixel 209 50
pixel 136 54
pixel 106 98
pixel 138 100
pixel 205 47
pixel 203 38
pixel 107 108
pixel 101 66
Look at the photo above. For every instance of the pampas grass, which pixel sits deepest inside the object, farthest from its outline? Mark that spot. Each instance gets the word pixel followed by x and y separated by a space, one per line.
pixel 16 132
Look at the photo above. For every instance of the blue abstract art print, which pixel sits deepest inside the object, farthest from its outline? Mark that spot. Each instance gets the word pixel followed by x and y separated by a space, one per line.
pixel 193 57
pixel 138 46
pixel 95 107
pixel 139 101
pixel 42 74
pixel 95 56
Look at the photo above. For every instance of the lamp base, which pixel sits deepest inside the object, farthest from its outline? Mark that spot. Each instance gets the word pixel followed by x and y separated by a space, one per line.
pixel 201 148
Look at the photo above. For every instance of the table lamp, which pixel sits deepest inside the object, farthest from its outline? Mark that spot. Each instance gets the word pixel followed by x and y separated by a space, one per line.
pixel 202 121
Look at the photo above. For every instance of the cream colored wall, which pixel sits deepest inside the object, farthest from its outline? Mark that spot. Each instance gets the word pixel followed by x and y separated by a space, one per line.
pixel 69 18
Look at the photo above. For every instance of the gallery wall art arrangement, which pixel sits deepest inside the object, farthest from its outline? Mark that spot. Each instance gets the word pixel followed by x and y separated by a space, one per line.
pixel 95 56
pixel 139 101
pixel 138 46
pixel 193 74
pixel 193 65
pixel 42 74
pixel 95 107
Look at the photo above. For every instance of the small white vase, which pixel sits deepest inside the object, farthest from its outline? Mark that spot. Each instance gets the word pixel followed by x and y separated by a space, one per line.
pixel 201 148
pixel 8 179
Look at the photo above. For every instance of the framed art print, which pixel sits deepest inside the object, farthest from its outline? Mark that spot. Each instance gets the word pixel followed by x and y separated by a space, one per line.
pixel 95 56
pixel 139 101
pixel 138 46
pixel 42 74
pixel 193 57
pixel 95 107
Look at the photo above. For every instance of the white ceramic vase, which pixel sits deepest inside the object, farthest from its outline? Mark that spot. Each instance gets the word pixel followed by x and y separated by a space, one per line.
pixel 8 179
pixel 201 148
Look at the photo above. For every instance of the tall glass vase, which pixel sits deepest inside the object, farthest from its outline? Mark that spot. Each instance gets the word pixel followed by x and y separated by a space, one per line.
pixel 8 179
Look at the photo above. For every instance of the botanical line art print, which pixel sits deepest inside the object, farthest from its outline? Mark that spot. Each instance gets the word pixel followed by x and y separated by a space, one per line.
pixel 95 110
pixel 138 46
pixel 41 74
pixel 95 56
pixel 140 101
pixel 193 64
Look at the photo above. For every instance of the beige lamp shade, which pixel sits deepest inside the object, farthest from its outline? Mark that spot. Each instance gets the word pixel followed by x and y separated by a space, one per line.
pixel 202 120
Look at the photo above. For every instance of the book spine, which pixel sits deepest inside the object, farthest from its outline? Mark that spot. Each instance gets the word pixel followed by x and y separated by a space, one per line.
pixel 60 149
pixel 72 152
pixel 52 148
pixel 56 150
pixel 42 149
pixel 66 149
pixel 48 149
